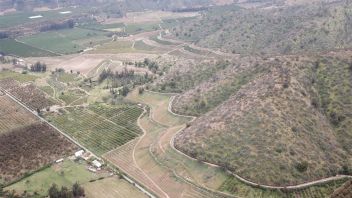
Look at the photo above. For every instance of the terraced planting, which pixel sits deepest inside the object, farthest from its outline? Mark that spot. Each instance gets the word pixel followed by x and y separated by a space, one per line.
pixel 100 128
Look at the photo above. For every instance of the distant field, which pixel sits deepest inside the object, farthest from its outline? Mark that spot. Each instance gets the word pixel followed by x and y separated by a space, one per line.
pixel 101 128
pixel 141 27
pixel 115 47
pixel 140 45
pixel 99 26
pixel 64 174
pixel 19 18
pixel 10 46
pixel 66 41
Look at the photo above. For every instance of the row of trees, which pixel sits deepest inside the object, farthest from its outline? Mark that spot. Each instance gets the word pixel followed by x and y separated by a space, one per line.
pixel 38 67
pixel 76 191
pixel 58 26
pixel 152 65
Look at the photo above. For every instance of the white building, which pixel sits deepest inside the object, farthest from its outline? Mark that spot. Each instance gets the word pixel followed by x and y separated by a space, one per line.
pixel 97 164
pixel 79 153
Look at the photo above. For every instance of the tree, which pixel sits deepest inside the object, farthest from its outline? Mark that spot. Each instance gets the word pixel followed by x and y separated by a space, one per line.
pixel 1 190
pixel 77 190
pixel 65 193
pixel 125 90
pixel 54 192
pixel 141 90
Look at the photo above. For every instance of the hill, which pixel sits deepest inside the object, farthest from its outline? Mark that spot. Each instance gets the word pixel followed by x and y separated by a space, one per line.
pixel 272 30
pixel 283 121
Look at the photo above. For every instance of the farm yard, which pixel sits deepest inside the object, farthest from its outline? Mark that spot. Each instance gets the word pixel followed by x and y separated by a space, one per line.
pixel 100 128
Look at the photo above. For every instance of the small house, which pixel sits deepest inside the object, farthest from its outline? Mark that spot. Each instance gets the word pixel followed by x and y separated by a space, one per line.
pixel 97 164
pixel 79 153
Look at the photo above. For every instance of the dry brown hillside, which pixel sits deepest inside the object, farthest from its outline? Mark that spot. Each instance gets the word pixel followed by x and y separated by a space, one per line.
pixel 288 124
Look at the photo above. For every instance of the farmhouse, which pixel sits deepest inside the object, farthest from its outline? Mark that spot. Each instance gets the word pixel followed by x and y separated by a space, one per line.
pixel 97 164
pixel 79 153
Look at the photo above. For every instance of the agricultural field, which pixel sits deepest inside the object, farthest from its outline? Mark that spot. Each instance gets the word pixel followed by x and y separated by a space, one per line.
pixel 14 116
pixel 8 74
pixel 10 46
pixel 139 28
pixel 66 41
pixel 34 146
pixel 100 128
pixel 110 188
pixel 20 18
pixel 65 173
pixel 29 94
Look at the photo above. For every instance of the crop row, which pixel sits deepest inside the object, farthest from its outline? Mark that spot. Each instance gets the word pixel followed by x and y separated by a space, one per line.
pixel 13 116
pixel 94 131
pixel 29 94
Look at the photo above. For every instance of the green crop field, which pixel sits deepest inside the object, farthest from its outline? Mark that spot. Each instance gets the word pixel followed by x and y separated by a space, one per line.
pixel 101 128
pixel 66 41
pixel 139 28
pixel 10 46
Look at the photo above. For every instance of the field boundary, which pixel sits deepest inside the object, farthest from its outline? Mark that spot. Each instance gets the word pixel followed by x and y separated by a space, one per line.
pixel 250 183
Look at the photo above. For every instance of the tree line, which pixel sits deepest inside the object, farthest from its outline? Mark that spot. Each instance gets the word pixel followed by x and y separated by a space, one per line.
pixel 38 67
pixel 69 24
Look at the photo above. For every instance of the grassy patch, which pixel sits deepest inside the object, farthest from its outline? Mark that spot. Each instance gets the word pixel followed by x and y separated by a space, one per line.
pixel 140 45
pixel 17 76
pixel 108 188
pixel 47 89
pixel 64 174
